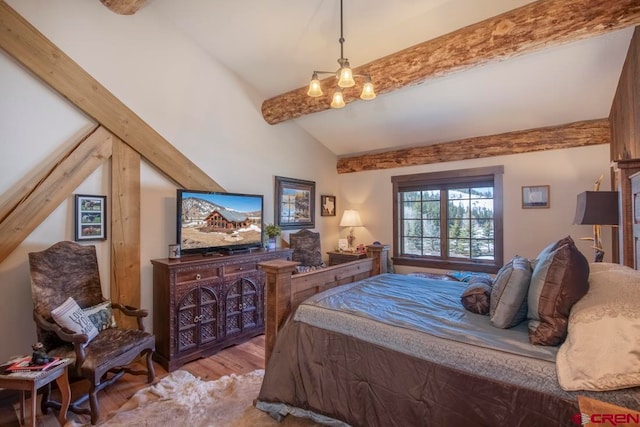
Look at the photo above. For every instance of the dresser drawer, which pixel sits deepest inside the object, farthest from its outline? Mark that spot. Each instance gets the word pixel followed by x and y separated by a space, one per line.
pixel 240 268
pixel 196 274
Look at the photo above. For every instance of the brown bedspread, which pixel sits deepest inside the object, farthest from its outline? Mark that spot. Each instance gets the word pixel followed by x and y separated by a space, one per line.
pixel 309 369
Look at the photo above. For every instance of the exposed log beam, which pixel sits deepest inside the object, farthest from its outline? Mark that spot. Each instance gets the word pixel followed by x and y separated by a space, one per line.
pixel 33 50
pixel 523 30
pixel 125 230
pixel 36 206
pixel 578 134
pixel 124 7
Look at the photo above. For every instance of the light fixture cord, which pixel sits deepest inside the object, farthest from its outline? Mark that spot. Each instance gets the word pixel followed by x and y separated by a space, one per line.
pixel 341 40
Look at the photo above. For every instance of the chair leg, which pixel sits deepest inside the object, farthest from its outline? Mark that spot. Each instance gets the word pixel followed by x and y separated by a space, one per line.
pixel 93 403
pixel 151 370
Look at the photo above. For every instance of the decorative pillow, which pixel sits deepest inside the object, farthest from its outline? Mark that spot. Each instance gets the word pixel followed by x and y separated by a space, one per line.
pixel 69 315
pixel 509 293
pixel 101 316
pixel 559 279
pixel 477 296
pixel 602 347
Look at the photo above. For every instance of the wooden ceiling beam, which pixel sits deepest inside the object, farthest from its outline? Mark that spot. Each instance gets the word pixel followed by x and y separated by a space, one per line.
pixel 56 185
pixel 532 27
pixel 577 134
pixel 124 7
pixel 32 49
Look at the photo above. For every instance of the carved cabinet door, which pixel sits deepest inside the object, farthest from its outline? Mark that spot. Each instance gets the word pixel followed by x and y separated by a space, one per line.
pixel 198 321
pixel 244 303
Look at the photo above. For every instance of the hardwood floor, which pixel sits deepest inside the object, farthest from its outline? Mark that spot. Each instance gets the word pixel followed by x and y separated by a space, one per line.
pixel 239 359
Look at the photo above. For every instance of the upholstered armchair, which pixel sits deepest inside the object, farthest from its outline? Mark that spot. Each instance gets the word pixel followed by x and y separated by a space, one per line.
pixel 101 355
pixel 306 250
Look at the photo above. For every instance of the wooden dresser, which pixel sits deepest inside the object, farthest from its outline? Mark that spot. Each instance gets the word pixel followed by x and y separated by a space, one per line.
pixel 202 304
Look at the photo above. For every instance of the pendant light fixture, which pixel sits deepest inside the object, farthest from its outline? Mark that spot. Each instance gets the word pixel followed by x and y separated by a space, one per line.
pixel 344 75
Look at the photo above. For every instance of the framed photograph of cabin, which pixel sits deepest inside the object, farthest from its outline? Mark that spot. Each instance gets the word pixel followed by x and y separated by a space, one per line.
pixel 535 197
pixel 90 217
pixel 295 203
pixel 327 205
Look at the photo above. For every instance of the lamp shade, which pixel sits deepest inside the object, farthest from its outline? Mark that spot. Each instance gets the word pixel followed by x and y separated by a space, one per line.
pixel 597 208
pixel 350 218
pixel 338 100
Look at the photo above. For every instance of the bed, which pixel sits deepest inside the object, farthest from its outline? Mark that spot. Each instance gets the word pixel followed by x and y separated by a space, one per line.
pixel 376 352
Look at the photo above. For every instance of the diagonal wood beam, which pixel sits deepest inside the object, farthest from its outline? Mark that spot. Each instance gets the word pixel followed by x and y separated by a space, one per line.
pixel 53 189
pixel 32 49
pixel 577 134
pixel 523 30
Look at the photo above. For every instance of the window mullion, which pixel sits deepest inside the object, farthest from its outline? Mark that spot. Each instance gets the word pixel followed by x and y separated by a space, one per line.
pixel 444 224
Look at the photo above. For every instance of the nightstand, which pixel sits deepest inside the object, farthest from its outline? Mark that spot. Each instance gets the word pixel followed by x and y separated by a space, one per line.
pixel 342 257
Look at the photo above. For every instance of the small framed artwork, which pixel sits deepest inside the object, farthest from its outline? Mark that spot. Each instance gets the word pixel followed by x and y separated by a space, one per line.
pixel 90 217
pixel 295 203
pixel 343 244
pixel 327 205
pixel 535 197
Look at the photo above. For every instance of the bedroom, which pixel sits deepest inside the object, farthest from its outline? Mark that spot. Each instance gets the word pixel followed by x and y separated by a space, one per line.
pixel 177 88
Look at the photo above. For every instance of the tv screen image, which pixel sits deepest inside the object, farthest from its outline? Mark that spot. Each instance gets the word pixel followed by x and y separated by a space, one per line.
pixel 214 221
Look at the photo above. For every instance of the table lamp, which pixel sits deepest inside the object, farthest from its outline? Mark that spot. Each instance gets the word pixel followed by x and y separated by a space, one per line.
pixel 351 218
pixel 597 208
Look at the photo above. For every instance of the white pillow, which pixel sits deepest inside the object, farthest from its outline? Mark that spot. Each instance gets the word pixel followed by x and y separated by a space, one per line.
pixel 69 315
pixel 602 349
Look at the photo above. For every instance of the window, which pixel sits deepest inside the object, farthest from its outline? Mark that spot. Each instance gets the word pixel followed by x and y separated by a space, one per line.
pixel 449 219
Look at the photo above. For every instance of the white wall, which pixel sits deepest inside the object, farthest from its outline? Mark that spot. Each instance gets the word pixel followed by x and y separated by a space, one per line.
pixel 215 120
pixel 526 231
pixel 189 98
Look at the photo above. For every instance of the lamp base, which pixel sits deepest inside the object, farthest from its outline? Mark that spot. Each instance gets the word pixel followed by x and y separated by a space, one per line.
pixel 599 255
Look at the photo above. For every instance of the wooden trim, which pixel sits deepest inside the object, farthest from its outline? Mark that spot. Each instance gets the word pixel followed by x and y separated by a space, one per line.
pixel 57 185
pixel 125 230
pixel 535 26
pixel 577 134
pixel 32 49
pixel 124 7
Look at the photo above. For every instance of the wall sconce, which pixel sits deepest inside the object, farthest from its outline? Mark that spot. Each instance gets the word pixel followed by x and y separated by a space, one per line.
pixel 351 218
pixel 597 208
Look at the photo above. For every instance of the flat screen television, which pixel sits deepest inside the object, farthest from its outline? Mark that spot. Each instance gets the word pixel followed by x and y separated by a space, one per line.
pixel 214 222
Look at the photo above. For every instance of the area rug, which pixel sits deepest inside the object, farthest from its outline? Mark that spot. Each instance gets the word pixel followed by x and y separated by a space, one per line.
pixel 181 399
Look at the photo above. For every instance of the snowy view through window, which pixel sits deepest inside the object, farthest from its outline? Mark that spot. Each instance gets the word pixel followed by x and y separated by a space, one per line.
pixel 464 230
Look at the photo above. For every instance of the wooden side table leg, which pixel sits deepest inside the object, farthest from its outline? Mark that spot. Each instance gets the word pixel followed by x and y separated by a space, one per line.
pixel 34 406
pixel 22 406
pixel 65 393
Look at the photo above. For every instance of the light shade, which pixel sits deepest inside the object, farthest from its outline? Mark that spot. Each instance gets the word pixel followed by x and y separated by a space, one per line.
pixel 315 89
pixel 338 100
pixel 350 218
pixel 346 76
pixel 367 92
pixel 597 208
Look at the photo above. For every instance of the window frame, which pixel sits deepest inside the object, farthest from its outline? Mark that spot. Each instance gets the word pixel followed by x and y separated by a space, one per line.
pixel 462 177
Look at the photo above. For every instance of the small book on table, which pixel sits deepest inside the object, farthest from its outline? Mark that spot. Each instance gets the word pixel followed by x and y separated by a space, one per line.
pixel 24 364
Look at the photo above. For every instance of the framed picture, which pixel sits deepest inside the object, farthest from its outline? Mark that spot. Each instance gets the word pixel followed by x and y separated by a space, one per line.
pixel 327 205
pixel 535 197
pixel 90 217
pixel 295 203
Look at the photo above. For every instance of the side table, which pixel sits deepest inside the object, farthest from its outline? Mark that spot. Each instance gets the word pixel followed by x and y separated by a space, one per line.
pixel 342 257
pixel 32 381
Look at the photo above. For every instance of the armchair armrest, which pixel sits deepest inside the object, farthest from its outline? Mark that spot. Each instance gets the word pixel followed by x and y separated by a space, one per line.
pixel 78 340
pixel 138 313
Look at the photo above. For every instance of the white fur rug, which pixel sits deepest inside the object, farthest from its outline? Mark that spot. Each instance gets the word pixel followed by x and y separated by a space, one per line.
pixel 180 399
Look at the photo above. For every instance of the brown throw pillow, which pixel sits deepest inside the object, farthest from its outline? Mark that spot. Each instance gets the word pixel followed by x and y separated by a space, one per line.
pixel 476 297
pixel 559 280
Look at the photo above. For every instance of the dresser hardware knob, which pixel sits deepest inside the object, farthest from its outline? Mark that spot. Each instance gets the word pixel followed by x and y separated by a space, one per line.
pixel 198 276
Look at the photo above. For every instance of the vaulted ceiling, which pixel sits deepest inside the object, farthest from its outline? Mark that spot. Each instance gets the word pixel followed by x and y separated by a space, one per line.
pixel 274 46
